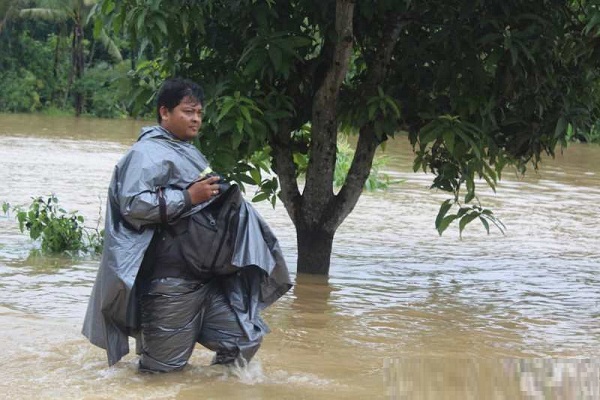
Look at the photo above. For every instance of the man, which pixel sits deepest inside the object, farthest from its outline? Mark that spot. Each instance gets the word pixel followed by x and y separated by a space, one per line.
pixel 145 287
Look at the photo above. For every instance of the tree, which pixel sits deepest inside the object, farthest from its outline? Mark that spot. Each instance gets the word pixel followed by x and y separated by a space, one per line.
pixel 7 10
pixel 477 84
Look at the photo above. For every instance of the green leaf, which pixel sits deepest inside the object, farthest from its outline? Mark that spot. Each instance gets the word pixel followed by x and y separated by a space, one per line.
pixel 260 197
pixel 254 64
pixel 141 20
pixel 107 7
pixel 239 124
pixel 275 56
pixel 443 225
pixel 301 41
pixel 593 22
pixel 472 145
pixel 528 54
pixel 246 113
pixel 491 182
pixel 97 27
pixel 561 125
pixel 448 137
pixel 393 106
pixel 466 220
pixel 485 224
pixel 256 176
pixel 462 211
pixel 430 132
pixel 487 214
pixel 371 110
pixel 417 164
pixel 227 105
pixel 446 205
pixel 470 189
pixel 162 25
pixel 246 179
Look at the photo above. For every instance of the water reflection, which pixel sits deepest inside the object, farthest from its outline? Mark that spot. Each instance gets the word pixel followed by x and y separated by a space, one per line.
pixel 511 379
pixel 311 294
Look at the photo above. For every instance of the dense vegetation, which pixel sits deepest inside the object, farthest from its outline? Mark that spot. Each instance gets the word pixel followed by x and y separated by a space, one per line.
pixel 50 61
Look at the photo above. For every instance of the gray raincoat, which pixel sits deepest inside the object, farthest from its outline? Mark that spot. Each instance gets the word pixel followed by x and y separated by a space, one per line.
pixel 159 160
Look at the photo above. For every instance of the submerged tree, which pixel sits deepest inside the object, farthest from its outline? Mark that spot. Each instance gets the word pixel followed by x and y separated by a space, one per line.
pixel 476 84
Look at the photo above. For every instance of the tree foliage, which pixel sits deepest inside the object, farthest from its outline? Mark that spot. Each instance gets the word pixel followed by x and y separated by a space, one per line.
pixel 476 84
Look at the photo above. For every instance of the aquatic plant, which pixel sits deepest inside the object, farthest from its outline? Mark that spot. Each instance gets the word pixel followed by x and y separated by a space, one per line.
pixel 60 231
pixel 5 207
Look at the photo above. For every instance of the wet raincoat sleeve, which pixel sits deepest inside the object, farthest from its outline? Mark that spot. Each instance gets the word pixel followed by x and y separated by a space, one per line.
pixel 138 180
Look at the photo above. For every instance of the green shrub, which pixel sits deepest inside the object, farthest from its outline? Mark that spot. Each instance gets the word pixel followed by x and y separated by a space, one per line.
pixel 345 154
pixel 59 231
pixel 593 136
pixel 19 91
pixel 33 72
pixel 103 89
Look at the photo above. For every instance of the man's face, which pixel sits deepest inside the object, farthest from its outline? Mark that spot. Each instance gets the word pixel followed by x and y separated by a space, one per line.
pixel 184 120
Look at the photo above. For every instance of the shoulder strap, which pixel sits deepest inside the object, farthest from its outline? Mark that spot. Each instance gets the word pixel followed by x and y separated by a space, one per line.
pixel 162 206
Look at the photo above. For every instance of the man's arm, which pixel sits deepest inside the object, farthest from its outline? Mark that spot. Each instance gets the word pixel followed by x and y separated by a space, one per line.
pixel 139 192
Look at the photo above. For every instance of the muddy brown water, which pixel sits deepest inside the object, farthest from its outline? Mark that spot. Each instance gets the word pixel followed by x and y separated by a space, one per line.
pixel 405 314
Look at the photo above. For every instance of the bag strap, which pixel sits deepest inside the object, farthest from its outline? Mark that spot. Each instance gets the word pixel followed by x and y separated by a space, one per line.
pixel 162 206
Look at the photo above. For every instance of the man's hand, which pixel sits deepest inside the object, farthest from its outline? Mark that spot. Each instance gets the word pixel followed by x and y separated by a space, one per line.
pixel 204 190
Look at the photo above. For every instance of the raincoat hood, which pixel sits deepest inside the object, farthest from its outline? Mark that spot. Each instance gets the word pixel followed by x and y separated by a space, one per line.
pixel 160 160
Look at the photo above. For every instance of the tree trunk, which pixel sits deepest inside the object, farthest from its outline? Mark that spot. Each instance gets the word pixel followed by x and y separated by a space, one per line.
pixel 56 53
pixel 78 64
pixel 311 210
pixel 134 53
pixel 314 250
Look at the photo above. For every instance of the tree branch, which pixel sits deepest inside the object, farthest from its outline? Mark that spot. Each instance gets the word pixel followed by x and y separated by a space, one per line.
pixel 284 167
pixel 362 162
pixel 319 177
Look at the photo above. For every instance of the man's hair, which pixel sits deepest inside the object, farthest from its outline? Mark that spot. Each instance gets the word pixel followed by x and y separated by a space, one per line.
pixel 174 90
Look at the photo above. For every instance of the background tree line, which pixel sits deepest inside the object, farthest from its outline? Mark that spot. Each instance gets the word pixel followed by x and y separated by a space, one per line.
pixel 52 60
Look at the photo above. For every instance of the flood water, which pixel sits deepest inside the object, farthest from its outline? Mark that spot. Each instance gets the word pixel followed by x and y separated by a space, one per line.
pixel 405 314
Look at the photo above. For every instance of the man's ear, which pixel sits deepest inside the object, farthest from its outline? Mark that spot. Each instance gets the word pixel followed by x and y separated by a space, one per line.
pixel 164 113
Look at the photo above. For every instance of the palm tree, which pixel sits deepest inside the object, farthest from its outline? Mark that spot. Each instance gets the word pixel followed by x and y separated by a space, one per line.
pixel 8 9
pixel 76 12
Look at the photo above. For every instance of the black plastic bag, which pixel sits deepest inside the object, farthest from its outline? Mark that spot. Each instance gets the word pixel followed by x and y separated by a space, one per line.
pixel 207 237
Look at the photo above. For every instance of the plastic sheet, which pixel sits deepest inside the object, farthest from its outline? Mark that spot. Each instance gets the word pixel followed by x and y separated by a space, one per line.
pixel 177 313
